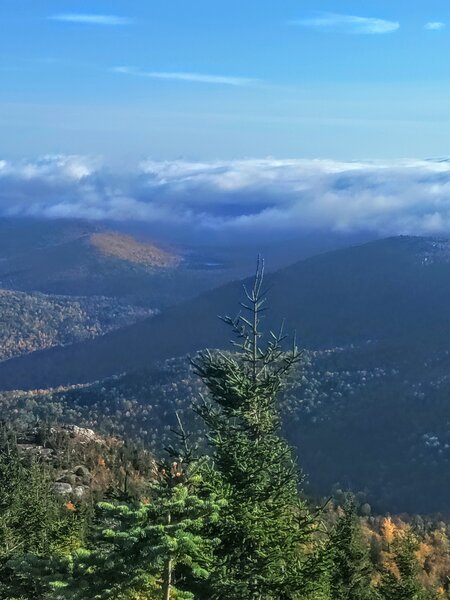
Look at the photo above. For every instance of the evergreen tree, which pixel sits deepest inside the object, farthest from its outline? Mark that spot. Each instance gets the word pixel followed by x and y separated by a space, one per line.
pixel 153 547
pixel 37 531
pixel 350 574
pixel 401 581
pixel 265 530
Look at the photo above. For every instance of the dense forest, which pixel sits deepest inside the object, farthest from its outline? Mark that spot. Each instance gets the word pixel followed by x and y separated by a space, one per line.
pixel 34 321
pixel 220 514
pixel 356 422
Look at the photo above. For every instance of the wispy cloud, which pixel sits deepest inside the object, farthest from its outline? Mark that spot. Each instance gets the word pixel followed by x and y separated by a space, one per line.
pixel 187 76
pixel 332 22
pixel 88 19
pixel 434 25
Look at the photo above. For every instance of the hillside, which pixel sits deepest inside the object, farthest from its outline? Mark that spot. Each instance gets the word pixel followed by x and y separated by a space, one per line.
pixel 392 292
pixel 74 484
pixel 34 321
pixel 360 417
pixel 121 260
pixel 20 235
pixel 126 248
pixel 82 259
pixel 81 462
pixel 367 408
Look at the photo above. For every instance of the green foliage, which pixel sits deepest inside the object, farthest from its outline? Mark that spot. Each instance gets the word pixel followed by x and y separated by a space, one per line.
pixel 401 581
pixel 357 414
pixel 30 511
pixel 158 543
pixel 351 571
pixel 264 527
pixel 37 532
pixel 231 525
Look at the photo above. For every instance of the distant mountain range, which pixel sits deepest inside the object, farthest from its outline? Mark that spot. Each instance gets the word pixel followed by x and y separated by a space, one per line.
pixel 393 292
pixel 368 410
pixel 73 257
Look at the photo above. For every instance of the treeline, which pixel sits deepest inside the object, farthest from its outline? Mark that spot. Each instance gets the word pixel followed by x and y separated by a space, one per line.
pixel 232 523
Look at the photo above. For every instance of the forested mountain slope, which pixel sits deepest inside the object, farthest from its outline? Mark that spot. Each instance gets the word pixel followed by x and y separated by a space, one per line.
pixel 393 292
pixel 77 258
pixel 359 419
pixel 34 321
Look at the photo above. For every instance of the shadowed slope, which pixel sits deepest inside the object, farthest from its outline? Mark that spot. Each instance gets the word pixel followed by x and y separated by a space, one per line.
pixel 398 288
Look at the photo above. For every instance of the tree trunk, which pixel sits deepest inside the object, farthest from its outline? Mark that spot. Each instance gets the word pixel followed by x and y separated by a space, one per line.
pixel 168 567
pixel 167 579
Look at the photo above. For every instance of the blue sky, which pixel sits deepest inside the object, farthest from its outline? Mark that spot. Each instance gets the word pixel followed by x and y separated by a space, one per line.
pixel 215 79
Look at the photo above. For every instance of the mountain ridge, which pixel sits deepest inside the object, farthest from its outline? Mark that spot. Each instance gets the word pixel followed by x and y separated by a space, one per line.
pixel 381 289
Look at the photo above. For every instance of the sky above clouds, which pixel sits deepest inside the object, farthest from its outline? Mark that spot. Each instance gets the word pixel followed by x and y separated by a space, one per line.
pixel 206 80
pixel 169 113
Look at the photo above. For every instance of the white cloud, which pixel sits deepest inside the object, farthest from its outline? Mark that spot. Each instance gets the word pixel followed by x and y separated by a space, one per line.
pixel 186 76
pixel 50 168
pixel 435 25
pixel 332 22
pixel 253 197
pixel 88 19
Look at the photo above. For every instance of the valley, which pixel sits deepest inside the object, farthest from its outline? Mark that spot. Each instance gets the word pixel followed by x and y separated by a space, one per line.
pixel 368 400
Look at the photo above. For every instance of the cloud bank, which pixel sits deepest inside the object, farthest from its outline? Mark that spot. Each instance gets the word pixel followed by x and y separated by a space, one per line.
pixel 251 197
pixel 352 24
pixel 87 19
